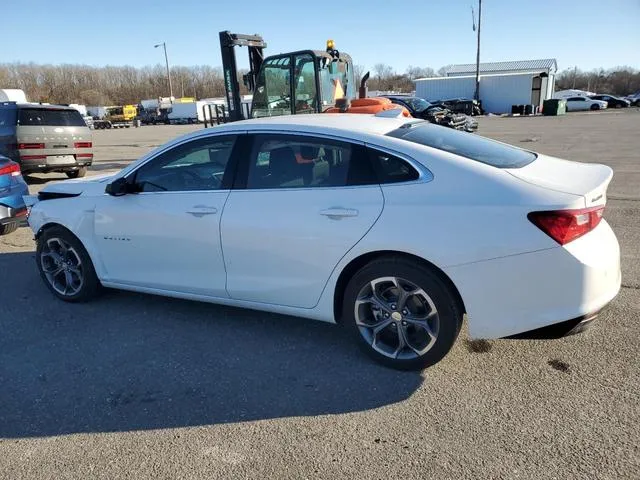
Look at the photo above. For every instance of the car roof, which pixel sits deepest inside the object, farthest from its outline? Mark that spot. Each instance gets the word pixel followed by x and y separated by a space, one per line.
pixel 401 97
pixel 346 123
pixel 41 106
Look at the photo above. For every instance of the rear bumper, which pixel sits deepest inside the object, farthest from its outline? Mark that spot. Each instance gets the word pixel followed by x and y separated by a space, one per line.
pixel 513 295
pixel 559 330
pixel 49 165
pixel 9 215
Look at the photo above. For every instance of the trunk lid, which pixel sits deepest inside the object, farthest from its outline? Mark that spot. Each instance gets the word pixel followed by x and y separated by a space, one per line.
pixel 589 180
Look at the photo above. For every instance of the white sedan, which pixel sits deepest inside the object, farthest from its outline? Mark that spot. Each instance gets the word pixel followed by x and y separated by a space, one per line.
pixel 575 104
pixel 393 227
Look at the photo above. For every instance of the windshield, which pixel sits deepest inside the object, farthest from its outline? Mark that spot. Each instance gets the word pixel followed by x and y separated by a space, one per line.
pixel 466 145
pixel 336 81
pixel 51 117
pixel 416 104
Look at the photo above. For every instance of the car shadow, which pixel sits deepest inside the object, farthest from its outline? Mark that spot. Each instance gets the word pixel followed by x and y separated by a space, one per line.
pixel 134 362
pixel 50 177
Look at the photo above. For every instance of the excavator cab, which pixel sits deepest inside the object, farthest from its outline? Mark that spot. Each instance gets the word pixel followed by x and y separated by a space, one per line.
pixel 307 81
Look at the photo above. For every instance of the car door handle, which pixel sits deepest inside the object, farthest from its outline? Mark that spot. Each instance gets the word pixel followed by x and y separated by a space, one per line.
pixel 339 212
pixel 202 210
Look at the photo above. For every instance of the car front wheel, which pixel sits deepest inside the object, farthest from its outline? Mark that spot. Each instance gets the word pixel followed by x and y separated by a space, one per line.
pixel 403 315
pixel 65 266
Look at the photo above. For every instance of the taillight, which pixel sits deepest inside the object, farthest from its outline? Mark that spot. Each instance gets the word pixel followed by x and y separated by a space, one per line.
pixel 565 226
pixel 30 146
pixel 12 168
pixel 82 145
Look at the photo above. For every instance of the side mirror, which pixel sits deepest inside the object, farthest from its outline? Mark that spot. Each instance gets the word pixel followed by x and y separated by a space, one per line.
pixel 118 187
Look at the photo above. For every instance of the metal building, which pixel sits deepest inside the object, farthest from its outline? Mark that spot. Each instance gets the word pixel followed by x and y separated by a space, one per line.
pixel 502 84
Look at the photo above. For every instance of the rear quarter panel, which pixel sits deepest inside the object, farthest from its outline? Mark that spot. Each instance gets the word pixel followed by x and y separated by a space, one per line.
pixel 468 213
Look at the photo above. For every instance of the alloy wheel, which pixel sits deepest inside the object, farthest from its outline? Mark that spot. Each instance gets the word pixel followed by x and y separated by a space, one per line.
pixel 397 318
pixel 62 266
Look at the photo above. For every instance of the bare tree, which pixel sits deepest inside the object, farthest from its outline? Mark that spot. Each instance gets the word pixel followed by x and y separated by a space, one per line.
pixel 419 72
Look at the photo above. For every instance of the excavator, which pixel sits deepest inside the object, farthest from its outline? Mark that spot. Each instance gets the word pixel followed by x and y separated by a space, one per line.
pixel 300 82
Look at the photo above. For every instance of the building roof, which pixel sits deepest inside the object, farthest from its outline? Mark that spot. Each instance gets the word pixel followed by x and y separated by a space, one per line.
pixel 542 64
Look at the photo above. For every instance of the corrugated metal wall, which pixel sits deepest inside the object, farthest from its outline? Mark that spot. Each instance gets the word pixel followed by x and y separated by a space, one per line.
pixel 499 92
pixel 445 87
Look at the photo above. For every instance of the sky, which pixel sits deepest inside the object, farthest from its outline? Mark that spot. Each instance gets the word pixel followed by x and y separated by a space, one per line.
pixel 426 33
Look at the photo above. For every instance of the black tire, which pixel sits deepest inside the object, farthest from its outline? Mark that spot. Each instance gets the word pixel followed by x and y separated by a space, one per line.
pixel 89 286
pixel 79 173
pixel 447 307
pixel 595 107
pixel 8 228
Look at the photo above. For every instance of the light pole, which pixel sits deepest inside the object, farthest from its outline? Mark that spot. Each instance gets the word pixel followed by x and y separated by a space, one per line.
pixel 477 93
pixel 166 59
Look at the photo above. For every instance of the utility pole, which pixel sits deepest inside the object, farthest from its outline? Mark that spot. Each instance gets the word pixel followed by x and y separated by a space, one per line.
pixel 477 94
pixel 575 71
pixel 166 59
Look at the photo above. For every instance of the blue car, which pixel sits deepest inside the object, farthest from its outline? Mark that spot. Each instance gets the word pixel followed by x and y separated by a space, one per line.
pixel 13 211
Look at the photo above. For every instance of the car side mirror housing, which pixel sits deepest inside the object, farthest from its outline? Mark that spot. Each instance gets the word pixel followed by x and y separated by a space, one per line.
pixel 120 186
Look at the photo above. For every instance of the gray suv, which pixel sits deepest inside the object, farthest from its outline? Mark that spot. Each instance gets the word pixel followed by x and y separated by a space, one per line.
pixel 45 138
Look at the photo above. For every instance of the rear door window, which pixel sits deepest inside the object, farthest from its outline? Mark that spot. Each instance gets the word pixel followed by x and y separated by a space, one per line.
pixel 467 145
pixel 283 161
pixel 50 118
pixel 7 117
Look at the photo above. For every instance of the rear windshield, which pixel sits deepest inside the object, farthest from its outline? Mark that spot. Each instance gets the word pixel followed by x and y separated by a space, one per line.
pixel 7 117
pixel 51 118
pixel 466 145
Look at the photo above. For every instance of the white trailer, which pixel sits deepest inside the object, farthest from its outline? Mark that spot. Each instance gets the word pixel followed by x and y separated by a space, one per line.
pixel 12 95
pixel 192 112
pixel 97 112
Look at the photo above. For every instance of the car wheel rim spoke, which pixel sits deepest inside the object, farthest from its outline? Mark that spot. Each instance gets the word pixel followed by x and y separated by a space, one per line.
pixel 62 266
pixel 396 317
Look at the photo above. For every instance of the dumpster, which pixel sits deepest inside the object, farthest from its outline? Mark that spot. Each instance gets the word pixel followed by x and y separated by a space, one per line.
pixel 554 106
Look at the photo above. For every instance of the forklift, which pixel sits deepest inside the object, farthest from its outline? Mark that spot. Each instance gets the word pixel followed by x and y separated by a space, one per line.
pixel 305 81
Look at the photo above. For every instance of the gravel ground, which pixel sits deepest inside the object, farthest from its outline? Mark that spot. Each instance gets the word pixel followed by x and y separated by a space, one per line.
pixel 134 386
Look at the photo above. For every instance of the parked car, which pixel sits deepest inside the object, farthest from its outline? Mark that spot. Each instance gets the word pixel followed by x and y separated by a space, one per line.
pixel 461 105
pixel 634 99
pixel 612 101
pixel 393 227
pixel 45 138
pixel 420 108
pixel 13 211
pixel 575 104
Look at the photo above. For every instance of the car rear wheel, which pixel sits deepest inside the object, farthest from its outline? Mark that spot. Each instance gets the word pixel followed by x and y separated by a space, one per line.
pixel 65 266
pixel 8 228
pixel 402 314
pixel 79 173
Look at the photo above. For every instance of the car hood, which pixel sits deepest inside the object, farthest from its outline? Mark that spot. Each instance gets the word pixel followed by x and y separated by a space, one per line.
pixel 94 185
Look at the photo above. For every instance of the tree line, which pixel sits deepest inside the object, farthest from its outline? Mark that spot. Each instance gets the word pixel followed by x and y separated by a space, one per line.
pixel 119 85
pixel 109 85
pixel 616 81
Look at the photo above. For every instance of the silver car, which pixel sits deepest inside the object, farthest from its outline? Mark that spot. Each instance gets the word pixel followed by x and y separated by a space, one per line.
pixel 45 138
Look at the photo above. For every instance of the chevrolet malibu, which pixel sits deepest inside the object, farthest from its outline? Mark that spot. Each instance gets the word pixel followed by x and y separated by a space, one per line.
pixel 394 227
